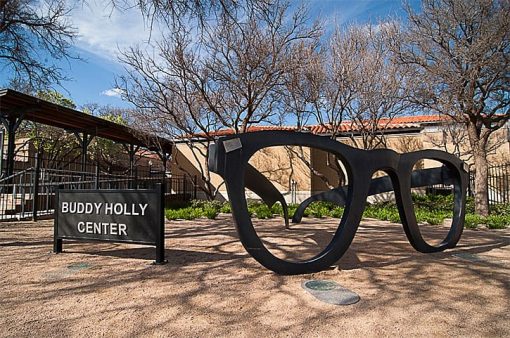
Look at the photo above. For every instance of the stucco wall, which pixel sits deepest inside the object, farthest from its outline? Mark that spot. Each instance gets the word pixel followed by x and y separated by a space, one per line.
pixel 280 165
pixel 283 165
pixel 439 137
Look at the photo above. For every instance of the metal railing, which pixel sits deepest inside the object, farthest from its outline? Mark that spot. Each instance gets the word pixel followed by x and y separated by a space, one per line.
pixel 30 193
pixel 499 184
pixel 498 191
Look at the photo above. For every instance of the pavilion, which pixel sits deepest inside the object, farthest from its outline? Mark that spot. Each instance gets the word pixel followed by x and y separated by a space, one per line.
pixel 16 107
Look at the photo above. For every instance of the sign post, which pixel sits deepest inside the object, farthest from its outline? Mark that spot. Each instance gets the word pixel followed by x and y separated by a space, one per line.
pixel 126 216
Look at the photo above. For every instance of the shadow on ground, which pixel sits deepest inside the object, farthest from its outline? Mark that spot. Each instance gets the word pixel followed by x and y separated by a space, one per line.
pixel 211 287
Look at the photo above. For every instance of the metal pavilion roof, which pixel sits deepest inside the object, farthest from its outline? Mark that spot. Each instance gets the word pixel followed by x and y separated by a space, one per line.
pixel 16 104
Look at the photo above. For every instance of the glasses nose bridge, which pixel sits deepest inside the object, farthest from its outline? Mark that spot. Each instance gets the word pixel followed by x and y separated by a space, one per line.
pixel 214 160
pixel 385 160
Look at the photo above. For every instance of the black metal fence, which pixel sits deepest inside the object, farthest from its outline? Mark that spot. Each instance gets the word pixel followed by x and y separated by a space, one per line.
pixel 30 191
pixel 498 184
pixel 143 165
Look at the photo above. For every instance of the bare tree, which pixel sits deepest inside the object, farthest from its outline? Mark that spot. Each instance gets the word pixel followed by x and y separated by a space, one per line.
pixel 307 89
pixel 354 84
pixel 180 13
pixel 354 80
pixel 376 84
pixel 460 52
pixel 452 138
pixel 31 34
pixel 231 77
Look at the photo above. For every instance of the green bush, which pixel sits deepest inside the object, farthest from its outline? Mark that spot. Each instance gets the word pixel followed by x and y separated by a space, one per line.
pixel 498 221
pixel 432 209
pixel 292 209
pixel 470 205
pixel 319 209
pixel 196 210
pixel 277 209
pixel 262 211
pixel 385 213
pixel 337 212
pixel 500 209
pixel 433 202
pixel 492 221
pixel 252 207
pixel 193 213
pixel 225 208
pixel 203 204
pixel 188 213
pixel 171 214
pixel 434 219
pixel 198 203
pixel 471 221
pixel 210 213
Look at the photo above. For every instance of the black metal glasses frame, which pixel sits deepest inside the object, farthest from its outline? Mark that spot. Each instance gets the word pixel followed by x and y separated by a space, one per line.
pixel 229 158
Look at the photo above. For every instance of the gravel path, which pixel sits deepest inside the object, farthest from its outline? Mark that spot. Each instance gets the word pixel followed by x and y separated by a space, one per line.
pixel 211 287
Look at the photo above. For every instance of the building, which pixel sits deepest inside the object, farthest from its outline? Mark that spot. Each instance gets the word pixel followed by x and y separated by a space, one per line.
pixel 298 172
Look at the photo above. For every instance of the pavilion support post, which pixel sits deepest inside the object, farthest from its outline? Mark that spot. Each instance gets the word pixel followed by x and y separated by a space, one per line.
pixel 85 140
pixel 110 176
pixel 35 196
pixel 195 182
pixel 11 125
pixel 131 153
pixel 132 150
pixel 84 149
pixel 11 144
pixel 164 156
pixel 165 160
pixel 97 176
pixel 136 178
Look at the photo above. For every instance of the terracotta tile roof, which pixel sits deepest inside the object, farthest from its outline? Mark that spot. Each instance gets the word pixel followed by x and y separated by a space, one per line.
pixel 420 119
pixel 403 122
pixel 225 132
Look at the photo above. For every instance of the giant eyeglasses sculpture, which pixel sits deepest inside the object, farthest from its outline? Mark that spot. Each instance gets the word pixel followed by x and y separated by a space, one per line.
pixel 230 155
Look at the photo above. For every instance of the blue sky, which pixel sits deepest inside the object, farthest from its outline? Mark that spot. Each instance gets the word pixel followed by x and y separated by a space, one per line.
pixel 103 32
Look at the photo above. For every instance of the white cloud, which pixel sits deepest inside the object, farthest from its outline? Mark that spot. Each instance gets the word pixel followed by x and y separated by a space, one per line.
pixel 103 30
pixel 377 28
pixel 115 92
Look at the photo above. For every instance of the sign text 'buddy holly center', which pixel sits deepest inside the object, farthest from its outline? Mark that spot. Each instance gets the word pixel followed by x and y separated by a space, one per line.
pixel 131 216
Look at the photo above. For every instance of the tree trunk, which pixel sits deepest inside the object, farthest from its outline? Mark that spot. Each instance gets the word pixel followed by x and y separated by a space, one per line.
pixel 481 183
pixel 479 146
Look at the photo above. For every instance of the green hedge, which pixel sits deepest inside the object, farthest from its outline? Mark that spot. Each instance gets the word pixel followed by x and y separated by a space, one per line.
pixel 432 209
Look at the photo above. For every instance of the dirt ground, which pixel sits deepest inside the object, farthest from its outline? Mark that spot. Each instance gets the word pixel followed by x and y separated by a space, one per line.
pixel 211 287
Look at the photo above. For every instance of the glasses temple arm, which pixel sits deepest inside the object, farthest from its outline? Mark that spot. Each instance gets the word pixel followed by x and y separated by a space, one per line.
pixel 380 185
pixel 261 186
